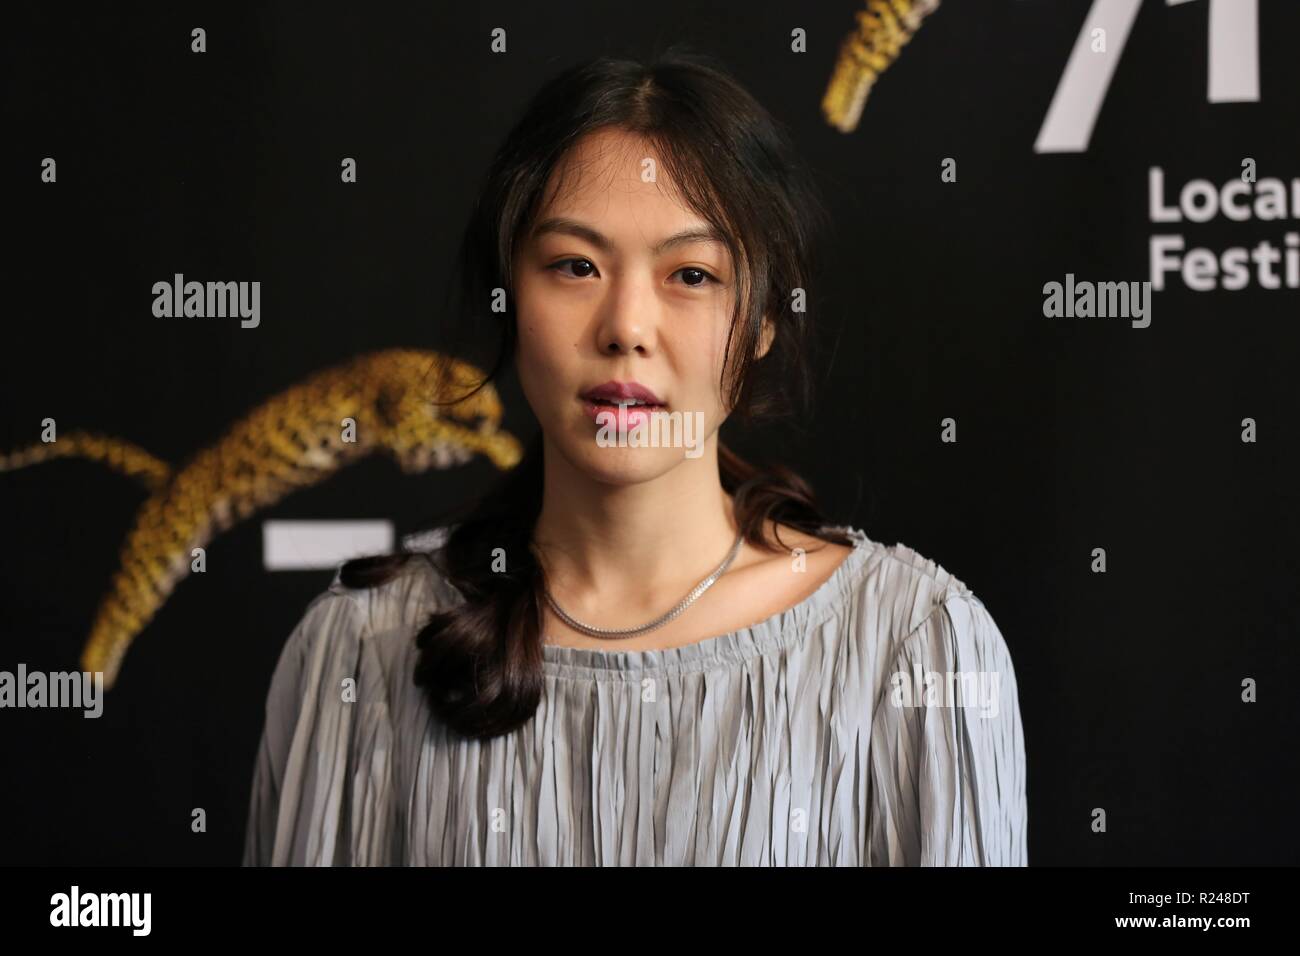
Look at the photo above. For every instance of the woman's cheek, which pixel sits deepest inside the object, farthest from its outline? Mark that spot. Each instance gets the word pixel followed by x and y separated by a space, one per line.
pixel 542 361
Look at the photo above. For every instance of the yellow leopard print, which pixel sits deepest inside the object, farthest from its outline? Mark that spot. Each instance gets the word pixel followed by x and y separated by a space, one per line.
pixel 130 460
pixel 294 440
pixel 884 27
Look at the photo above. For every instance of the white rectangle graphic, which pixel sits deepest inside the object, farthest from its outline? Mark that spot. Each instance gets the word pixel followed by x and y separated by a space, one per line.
pixel 314 545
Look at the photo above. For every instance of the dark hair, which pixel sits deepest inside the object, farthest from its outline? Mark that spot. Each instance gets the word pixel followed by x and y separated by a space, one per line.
pixel 480 659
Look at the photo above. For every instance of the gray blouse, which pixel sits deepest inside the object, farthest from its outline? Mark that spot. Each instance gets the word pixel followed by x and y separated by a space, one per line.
pixel 874 723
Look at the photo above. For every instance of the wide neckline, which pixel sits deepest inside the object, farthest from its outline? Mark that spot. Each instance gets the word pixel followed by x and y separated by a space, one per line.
pixel 773 632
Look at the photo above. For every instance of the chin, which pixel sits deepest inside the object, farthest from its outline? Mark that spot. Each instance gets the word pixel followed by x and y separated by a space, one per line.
pixel 621 466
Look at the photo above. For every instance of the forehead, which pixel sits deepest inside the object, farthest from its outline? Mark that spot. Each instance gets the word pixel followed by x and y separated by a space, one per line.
pixel 614 175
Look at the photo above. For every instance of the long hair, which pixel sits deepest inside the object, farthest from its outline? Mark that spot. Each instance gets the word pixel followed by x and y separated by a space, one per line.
pixel 480 659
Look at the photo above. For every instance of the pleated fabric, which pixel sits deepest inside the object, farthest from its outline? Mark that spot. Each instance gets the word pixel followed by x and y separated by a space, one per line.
pixel 875 723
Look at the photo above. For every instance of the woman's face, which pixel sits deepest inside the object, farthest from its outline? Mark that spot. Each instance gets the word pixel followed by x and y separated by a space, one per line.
pixel 618 281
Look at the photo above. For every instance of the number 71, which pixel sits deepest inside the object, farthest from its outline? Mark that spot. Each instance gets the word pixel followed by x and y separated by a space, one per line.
pixel 1234 66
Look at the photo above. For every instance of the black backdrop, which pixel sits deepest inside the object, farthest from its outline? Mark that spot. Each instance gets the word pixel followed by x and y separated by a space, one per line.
pixel 1072 433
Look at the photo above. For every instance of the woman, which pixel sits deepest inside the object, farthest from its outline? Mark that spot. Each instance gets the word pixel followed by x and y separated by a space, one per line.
pixel 632 653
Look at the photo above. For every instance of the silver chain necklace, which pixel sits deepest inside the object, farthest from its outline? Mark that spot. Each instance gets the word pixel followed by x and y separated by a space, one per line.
pixel 657 622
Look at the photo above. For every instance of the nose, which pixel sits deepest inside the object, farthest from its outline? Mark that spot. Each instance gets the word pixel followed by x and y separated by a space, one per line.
pixel 628 318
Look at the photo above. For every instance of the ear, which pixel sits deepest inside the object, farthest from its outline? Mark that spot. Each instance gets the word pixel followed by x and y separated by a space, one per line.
pixel 765 337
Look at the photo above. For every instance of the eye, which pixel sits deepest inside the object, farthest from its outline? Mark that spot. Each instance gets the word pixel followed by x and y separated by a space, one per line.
pixel 582 268
pixel 696 278
pixel 582 264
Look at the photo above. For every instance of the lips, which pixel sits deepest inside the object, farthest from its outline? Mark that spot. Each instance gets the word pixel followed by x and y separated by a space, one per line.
pixel 620 417
pixel 622 393
pixel 621 404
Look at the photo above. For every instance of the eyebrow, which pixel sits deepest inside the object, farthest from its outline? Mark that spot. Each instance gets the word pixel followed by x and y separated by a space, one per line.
pixel 572 227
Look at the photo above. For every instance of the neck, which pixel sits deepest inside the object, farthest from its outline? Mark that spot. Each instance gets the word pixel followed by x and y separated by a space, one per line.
pixel 637 546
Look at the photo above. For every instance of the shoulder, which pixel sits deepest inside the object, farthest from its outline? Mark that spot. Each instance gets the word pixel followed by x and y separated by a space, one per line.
pixel 412 590
pixel 366 633
pixel 909 597
pixel 787 540
pixel 914 586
